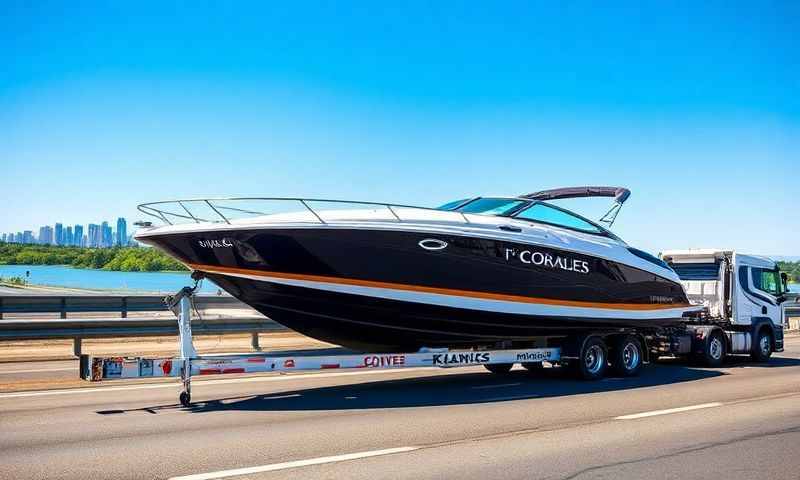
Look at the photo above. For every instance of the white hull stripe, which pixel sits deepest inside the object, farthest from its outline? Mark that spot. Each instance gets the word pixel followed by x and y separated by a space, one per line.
pixel 471 303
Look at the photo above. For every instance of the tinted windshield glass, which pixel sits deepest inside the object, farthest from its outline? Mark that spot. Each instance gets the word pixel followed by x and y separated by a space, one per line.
pixel 491 206
pixel 547 214
pixel 452 205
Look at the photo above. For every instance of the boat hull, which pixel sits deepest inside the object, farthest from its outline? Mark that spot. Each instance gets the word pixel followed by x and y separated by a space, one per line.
pixel 388 290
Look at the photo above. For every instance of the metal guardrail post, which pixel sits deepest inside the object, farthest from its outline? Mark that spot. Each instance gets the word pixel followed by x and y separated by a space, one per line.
pixel 76 346
pixel 124 311
pixel 1 308
pixel 254 341
pixel 63 307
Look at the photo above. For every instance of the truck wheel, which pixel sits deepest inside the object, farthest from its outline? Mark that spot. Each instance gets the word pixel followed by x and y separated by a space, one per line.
pixel 762 347
pixel 499 368
pixel 626 357
pixel 593 359
pixel 714 350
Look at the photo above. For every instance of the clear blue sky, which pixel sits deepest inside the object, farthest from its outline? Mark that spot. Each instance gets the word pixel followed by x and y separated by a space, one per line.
pixel 695 106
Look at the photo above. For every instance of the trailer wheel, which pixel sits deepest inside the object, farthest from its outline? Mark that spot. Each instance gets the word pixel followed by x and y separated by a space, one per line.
pixel 593 359
pixel 762 347
pixel 185 399
pixel 714 350
pixel 626 357
pixel 499 368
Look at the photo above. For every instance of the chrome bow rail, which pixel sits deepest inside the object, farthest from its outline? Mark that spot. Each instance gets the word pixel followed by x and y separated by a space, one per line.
pixel 225 209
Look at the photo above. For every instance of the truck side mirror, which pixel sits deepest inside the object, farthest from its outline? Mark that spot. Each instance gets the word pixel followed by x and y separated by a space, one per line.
pixel 785 281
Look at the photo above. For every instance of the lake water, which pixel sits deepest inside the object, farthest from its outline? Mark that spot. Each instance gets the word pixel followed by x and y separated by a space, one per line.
pixel 63 276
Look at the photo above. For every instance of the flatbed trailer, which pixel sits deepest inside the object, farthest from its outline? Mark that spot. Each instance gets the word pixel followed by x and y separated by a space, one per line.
pixel 188 364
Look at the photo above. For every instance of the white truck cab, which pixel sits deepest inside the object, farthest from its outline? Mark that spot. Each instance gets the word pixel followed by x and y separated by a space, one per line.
pixel 744 293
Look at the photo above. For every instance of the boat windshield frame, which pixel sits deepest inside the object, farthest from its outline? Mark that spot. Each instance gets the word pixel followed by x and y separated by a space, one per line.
pixel 527 204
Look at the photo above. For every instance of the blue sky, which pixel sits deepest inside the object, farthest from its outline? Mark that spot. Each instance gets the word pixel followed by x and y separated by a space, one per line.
pixel 694 107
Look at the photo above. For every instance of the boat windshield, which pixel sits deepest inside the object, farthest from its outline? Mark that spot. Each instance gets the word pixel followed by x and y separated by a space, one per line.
pixel 492 206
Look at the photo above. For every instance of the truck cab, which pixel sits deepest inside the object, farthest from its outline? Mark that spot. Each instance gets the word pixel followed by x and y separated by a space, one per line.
pixel 743 293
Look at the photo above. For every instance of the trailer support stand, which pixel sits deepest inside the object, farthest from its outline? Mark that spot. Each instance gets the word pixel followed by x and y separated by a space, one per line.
pixel 186 350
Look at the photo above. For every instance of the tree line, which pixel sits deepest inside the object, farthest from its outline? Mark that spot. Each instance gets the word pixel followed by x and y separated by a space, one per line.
pixel 125 259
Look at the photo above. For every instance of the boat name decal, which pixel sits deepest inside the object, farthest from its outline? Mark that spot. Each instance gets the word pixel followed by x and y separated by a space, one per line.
pixel 384 360
pixel 214 243
pixel 461 358
pixel 532 257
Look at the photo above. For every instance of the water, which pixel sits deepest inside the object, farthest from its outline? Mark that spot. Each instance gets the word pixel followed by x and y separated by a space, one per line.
pixel 64 276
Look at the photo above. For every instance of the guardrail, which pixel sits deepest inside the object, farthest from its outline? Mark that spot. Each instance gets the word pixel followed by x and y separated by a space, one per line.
pixel 122 304
pixel 109 327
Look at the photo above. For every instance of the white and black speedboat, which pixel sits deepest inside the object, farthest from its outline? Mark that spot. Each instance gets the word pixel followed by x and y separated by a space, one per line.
pixel 373 276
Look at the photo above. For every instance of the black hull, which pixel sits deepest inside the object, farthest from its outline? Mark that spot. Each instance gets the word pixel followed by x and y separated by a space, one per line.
pixel 373 324
pixel 258 266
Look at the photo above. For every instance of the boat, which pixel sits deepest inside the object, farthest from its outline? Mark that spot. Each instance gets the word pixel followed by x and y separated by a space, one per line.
pixel 478 272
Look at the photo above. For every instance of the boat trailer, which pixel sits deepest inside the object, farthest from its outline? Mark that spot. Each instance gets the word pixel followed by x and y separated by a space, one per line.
pixel 188 363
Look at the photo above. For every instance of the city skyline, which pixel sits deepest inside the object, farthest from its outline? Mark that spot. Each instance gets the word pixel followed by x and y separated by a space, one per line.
pixel 98 235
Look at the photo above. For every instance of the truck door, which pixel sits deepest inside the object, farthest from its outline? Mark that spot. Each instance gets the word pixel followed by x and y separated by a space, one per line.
pixel 759 292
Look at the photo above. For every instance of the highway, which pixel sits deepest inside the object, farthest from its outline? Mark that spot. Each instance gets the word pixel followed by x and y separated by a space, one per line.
pixel 675 421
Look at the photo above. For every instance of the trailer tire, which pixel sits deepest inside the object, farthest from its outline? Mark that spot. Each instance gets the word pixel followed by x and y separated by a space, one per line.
pixel 762 346
pixel 185 399
pixel 627 356
pixel 593 359
pixel 714 350
pixel 499 368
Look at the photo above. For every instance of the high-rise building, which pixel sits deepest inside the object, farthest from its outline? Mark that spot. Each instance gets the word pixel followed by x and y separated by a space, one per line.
pixel 93 235
pixel 46 235
pixel 77 236
pixel 68 236
pixel 107 238
pixel 3 238
pixel 122 232
pixel 59 234
pixel 27 236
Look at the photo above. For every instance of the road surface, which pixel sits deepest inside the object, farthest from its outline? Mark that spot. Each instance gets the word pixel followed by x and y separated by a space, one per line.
pixel 674 422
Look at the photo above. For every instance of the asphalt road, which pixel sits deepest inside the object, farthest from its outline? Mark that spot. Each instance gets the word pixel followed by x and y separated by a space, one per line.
pixel 737 422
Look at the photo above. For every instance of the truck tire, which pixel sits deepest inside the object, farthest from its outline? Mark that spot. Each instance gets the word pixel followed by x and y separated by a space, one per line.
pixel 592 359
pixel 626 356
pixel 714 350
pixel 499 368
pixel 762 346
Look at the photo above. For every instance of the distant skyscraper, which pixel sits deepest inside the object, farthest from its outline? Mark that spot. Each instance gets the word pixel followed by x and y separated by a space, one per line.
pixel 122 232
pixel 77 236
pixel 27 236
pixel 3 238
pixel 93 235
pixel 46 235
pixel 59 234
pixel 108 238
pixel 68 236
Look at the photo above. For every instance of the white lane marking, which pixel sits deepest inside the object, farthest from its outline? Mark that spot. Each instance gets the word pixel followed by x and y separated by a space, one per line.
pixel 298 463
pixel 668 411
pixel 479 387
pixel 307 376
pixel 39 370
